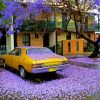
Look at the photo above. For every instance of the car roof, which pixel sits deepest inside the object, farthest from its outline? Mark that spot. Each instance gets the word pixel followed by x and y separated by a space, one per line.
pixel 28 47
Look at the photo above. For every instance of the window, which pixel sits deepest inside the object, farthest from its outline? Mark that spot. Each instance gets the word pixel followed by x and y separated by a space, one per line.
pixel 16 51
pixel 36 36
pixel 13 52
pixel 86 23
pixel 68 36
pixel 26 39
pixel 38 51
pixel 89 36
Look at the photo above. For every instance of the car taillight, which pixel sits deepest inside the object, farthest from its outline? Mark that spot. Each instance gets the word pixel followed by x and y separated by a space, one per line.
pixel 65 62
pixel 37 65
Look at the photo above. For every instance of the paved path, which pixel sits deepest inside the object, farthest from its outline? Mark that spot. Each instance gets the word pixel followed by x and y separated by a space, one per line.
pixel 86 62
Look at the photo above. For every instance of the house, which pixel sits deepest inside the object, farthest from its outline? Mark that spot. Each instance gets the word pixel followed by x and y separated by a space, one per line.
pixel 59 41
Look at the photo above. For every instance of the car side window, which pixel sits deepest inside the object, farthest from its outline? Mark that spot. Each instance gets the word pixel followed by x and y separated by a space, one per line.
pixel 18 52
pixel 13 52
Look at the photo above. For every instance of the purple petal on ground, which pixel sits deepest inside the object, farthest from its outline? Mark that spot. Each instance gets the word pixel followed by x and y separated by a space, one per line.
pixel 77 81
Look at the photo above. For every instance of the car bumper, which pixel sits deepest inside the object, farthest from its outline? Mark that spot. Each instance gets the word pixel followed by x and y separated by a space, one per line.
pixel 49 69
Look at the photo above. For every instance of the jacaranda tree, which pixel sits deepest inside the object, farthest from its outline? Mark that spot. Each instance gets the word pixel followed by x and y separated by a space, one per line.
pixel 22 11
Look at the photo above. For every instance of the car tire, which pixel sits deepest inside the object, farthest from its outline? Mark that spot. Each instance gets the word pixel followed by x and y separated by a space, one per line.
pixel 22 72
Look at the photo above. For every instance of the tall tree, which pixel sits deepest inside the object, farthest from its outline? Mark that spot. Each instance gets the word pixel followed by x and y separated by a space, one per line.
pixel 78 10
pixel 2 6
pixel 22 11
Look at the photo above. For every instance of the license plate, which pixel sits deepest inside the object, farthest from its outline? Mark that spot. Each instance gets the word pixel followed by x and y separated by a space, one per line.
pixel 52 69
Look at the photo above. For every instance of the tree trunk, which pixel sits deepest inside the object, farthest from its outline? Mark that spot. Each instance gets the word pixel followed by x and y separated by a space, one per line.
pixel 96 51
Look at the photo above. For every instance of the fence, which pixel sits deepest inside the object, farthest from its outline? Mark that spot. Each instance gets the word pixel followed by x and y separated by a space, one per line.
pixel 72 47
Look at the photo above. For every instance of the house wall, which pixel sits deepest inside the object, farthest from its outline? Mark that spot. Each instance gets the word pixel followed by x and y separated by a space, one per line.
pixel 52 39
pixel 58 19
pixel 36 42
pixel 61 36
pixel 33 40
pixel 73 36
pixel 19 39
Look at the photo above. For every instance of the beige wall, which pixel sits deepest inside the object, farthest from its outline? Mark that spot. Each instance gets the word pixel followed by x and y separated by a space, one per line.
pixel 52 39
pixel 33 41
pixel 61 36
pixel 36 42
pixel 58 16
pixel 73 35
pixel 19 39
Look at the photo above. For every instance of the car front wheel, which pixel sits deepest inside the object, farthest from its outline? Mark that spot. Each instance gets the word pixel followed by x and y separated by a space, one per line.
pixel 4 64
pixel 22 72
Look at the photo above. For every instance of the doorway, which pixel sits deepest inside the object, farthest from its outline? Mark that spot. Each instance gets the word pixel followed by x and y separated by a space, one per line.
pixel 3 43
pixel 46 40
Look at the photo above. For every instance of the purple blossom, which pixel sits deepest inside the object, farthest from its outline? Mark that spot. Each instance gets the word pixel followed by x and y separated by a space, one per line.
pixel 77 83
pixel 58 0
pixel 10 32
pixel 7 26
pixel 97 2
pixel 18 31
pixel 23 13
pixel 0 21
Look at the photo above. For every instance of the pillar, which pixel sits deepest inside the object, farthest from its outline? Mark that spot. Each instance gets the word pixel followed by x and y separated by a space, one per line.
pixel 10 42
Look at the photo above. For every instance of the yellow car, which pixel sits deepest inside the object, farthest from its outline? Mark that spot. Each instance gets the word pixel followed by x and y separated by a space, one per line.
pixel 34 60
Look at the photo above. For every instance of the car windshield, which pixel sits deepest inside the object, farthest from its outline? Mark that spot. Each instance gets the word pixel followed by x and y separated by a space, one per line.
pixel 38 50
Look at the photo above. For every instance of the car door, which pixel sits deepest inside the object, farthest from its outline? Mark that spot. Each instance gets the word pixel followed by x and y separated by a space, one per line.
pixel 12 54
pixel 9 57
pixel 15 58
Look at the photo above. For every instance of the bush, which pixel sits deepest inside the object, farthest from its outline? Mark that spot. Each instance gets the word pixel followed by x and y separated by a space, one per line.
pixel 90 48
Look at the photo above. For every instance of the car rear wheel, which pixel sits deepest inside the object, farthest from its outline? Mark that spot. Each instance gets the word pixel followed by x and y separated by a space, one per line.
pixel 22 72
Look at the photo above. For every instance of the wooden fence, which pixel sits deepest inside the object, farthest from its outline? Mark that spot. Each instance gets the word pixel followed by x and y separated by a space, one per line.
pixel 72 47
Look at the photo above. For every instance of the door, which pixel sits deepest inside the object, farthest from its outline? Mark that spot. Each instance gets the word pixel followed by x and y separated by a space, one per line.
pixel 3 44
pixel 46 40
pixel 15 58
pixel 10 57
